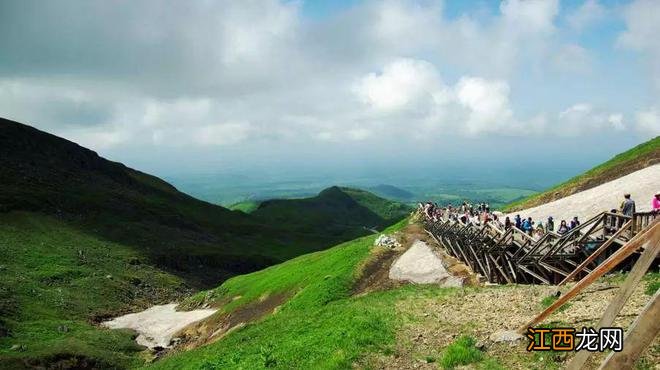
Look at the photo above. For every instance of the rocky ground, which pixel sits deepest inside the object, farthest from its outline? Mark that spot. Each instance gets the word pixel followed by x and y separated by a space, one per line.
pixel 430 323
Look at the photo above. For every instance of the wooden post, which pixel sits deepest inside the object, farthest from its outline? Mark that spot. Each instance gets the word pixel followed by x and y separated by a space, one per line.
pixel 641 333
pixel 595 254
pixel 634 277
pixel 644 239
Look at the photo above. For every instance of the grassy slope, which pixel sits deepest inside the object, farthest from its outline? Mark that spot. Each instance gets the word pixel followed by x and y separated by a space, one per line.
pixel 247 206
pixel 55 281
pixel 322 326
pixel 69 218
pixel 337 213
pixel 637 158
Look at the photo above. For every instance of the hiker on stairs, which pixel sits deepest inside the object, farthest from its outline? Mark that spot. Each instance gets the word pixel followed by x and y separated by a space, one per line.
pixel 628 206
pixel 550 225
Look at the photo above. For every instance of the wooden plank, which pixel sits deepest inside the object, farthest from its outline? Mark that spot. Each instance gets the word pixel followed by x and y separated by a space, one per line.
pixel 532 273
pixel 595 254
pixel 634 277
pixel 497 266
pixel 648 237
pixel 639 336
pixel 553 268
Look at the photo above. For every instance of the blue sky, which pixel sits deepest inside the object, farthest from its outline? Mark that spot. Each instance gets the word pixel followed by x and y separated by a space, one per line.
pixel 261 83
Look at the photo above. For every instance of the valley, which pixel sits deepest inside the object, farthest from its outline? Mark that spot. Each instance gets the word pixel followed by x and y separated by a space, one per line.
pixel 286 283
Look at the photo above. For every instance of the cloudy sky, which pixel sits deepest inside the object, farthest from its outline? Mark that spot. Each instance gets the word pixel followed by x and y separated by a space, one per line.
pixel 171 86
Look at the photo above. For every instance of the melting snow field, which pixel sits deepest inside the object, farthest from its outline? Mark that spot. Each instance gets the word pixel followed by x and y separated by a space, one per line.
pixel 642 185
pixel 158 324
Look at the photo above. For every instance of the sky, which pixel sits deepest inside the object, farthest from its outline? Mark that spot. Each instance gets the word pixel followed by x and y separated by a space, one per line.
pixel 175 87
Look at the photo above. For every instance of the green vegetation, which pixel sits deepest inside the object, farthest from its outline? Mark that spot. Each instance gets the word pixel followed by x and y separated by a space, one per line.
pixel 653 283
pixel 461 352
pixel 56 281
pixel 338 214
pixel 83 238
pixel 321 326
pixel 637 158
pixel 392 192
pixel 549 300
pixel 247 206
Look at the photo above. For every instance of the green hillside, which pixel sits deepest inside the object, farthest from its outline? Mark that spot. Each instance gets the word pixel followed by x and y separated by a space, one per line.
pixel 320 326
pixel 247 206
pixel 392 192
pixel 83 239
pixel 637 158
pixel 337 213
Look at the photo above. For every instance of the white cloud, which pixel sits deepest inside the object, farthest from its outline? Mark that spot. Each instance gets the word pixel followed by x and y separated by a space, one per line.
pixel 487 103
pixel 359 134
pixel 584 118
pixel 572 58
pixel 221 134
pixel 401 84
pixel 588 14
pixel 473 106
pixel 643 27
pixel 642 19
pixel 217 74
pixel 530 15
pixel 648 122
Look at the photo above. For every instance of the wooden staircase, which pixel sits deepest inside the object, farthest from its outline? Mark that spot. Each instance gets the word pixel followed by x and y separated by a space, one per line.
pixel 512 256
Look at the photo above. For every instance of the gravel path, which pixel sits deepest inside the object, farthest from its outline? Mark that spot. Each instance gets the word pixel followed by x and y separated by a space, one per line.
pixel 158 324
pixel 642 185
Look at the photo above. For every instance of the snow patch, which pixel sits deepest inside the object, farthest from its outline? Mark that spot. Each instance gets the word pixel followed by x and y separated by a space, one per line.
pixel 157 325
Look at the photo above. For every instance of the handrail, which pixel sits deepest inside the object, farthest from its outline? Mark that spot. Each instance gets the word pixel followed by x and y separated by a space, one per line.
pixel 511 255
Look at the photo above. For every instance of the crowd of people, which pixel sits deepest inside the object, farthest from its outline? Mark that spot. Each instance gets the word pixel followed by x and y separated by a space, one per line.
pixel 481 214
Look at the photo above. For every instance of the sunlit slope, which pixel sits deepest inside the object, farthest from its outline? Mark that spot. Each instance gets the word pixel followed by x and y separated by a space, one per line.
pixel 57 281
pixel 83 238
pixel 637 158
pixel 319 325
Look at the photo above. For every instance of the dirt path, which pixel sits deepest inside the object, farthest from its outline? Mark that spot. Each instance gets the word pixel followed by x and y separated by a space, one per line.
pixel 158 324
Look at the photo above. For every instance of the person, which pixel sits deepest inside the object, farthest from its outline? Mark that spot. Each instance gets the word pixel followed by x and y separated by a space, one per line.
pixel 518 221
pixel 563 228
pixel 656 202
pixel 528 225
pixel 507 223
pixel 575 223
pixel 539 231
pixel 627 206
pixel 550 225
pixel 610 224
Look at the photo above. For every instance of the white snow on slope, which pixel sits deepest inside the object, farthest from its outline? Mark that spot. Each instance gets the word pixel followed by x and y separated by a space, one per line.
pixel 642 185
pixel 158 324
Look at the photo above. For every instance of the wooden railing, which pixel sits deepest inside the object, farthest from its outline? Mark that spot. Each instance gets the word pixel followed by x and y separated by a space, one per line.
pixel 512 256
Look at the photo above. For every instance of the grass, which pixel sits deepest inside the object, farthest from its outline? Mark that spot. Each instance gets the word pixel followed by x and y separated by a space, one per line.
pixel 322 326
pixel 54 282
pixel 624 163
pixel 653 283
pixel 247 206
pixel 461 352
pixel 549 300
pixel 82 238
pixel 336 214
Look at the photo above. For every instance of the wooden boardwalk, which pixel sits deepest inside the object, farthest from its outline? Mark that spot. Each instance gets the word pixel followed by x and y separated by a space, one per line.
pixel 512 256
